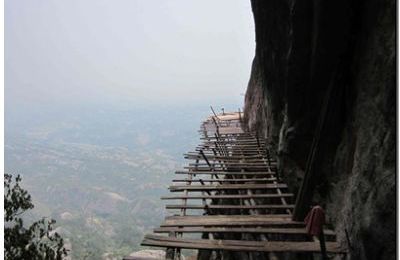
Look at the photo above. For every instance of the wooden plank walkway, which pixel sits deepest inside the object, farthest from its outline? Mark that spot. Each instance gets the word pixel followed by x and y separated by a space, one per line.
pixel 232 187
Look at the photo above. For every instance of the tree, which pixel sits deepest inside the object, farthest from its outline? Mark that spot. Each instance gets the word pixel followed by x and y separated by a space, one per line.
pixel 38 241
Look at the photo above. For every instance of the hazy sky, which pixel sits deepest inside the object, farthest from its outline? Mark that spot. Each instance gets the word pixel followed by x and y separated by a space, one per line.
pixel 75 50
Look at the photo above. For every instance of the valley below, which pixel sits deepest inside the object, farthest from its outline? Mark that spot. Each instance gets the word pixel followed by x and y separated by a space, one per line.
pixel 99 172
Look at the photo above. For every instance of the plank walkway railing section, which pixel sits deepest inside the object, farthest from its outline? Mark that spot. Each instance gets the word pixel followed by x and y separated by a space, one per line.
pixel 229 194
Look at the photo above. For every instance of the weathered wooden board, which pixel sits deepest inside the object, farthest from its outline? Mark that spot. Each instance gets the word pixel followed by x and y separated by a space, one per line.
pixel 299 231
pixel 260 206
pixel 228 187
pixel 211 148
pixel 227 180
pixel 231 168
pixel 213 157
pixel 228 196
pixel 239 245
pixel 233 164
pixel 232 220
pixel 260 173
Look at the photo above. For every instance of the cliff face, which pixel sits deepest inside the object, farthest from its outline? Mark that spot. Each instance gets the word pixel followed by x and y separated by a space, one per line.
pixel 346 48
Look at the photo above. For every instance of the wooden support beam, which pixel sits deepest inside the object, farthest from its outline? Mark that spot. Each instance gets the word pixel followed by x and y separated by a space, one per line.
pixel 232 220
pixel 204 158
pixel 214 112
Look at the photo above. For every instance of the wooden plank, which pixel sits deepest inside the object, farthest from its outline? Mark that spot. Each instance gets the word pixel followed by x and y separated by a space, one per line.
pixel 236 168
pixel 230 130
pixel 239 245
pixel 235 144
pixel 285 217
pixel 227 187
pixel 232 220
pixel 230 139
pixel 236 147
pixel 248 156
pixel 226 180
pixel 241 137
pixel 216 159
pixel 233 141
pixel 247 134
pixel 212 157
pixel 297 231
pixel 269 206
pixel 260 173
pixel 227 166
pixel 233 196
pixel 228 175
pixel 232 164
pixel 210 148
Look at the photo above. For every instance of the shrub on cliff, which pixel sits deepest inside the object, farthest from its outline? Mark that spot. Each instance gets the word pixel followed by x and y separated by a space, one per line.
pixel 38 241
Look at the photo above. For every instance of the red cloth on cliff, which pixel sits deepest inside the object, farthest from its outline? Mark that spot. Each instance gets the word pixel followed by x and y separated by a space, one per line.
pixel 315 221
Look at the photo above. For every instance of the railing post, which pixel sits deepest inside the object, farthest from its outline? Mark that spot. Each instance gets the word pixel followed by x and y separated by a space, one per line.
pixel 170 252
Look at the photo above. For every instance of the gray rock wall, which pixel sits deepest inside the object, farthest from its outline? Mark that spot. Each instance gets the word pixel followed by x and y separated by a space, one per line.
pixel 302 48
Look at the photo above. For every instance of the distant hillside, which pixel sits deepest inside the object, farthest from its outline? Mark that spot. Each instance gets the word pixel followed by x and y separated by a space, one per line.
pixel 99 171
